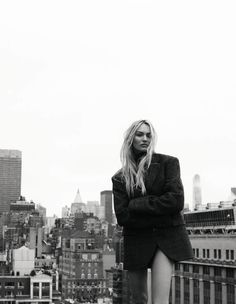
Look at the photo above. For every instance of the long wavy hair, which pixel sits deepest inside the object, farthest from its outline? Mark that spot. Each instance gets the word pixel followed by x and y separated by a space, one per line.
pixel 132 172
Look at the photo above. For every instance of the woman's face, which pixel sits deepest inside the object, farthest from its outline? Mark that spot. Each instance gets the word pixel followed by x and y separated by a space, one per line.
pixel 142 138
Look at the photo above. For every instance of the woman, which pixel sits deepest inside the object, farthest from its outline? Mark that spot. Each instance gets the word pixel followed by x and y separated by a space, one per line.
pixel 148 199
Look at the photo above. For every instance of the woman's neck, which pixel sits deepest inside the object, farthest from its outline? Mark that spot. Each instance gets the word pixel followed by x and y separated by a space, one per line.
pixel 138 154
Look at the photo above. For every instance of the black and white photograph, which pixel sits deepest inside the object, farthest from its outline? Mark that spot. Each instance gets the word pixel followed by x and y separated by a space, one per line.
pixel 117 152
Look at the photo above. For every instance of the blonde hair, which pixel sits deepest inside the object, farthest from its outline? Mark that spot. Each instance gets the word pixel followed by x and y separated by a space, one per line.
pixel 132 172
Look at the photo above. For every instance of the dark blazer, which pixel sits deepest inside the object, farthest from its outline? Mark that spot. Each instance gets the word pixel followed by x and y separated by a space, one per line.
pixel 154 219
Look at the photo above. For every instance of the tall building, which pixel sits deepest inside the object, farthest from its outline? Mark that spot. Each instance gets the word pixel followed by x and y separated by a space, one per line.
pixel 233 193
pixel 10 178
pixel 81 267
pixel 106 202
pixel 197 192
pixel 65 211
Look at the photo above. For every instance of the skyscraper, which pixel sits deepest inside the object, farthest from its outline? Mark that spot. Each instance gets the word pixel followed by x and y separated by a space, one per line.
pixel 106 201
pixel 10 178
pixel 197 192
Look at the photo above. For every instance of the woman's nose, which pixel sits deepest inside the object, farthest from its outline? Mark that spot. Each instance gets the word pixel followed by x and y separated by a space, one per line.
pixel 145 137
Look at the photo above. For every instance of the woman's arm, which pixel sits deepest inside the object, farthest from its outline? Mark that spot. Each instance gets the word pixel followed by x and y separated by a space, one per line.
pixel 172 199
pixel 124 216
pixel 121 202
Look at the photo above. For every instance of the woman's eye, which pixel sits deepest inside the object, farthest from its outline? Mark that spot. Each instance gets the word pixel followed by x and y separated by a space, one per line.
pixel 148 135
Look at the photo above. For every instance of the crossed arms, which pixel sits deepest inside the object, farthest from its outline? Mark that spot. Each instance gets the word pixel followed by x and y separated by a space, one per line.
pixel 144 210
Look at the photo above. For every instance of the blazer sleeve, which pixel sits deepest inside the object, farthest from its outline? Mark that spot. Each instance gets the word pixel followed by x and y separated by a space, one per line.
pixel 124 217
pixel 172 199
pixel 121 202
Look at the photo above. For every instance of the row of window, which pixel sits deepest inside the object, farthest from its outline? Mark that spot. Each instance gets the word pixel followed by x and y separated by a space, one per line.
pixel 89 276
pixel 230 292
pixel 9 293
pixel 217 254
pixel 83 256
pixel 45 290
pixel 229 272
pixel 11 285
pixel 85 284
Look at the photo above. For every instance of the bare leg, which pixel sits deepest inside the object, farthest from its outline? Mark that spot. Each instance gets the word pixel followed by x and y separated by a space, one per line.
pixel 161 278
pixel 138 286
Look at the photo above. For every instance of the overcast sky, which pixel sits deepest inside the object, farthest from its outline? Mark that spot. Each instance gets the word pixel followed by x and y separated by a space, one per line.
pixel 75 74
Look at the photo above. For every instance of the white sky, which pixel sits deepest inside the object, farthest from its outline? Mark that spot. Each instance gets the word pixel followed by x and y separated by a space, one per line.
pixel 75 74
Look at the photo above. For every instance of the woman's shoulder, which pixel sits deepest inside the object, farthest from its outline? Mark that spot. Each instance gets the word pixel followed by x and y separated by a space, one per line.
pixel 118 176
pixel 158 157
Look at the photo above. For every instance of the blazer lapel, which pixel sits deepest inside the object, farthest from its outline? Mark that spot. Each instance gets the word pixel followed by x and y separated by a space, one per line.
pixel 152 174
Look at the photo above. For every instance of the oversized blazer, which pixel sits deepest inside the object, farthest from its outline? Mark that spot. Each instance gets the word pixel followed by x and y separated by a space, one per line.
pixel 153 220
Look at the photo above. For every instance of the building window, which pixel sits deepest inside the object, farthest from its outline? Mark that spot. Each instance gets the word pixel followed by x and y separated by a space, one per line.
pixel 35 290
pixel 227 254
pixel 204 253
pixel 197 253
pixel 219 254
pixel 20 284
pixel 206 292
pixel 208 253
pixel 217 271
pixel 45 290
pixel 186 267
pixel 206 270
pixel 177 290
pixel 232 254
pixel 196 268
pixel 196 289
pixel 9 293
pixel 229 272
pixel 177 266
pixel 215 254
pixel 230 294
pixel 9 285
pixel 67 243
pixel 218 293
pixel 186 290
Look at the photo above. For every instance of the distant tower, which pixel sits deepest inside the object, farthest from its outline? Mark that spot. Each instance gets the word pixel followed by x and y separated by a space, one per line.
pixel 197 192
pixel 65 211
pixel 10 178
pixel 77 205
pixel 42 211
pixel 106 202
pixel 233 193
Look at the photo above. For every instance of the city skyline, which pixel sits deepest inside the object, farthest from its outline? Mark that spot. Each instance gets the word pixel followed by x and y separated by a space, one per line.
pixel 72 84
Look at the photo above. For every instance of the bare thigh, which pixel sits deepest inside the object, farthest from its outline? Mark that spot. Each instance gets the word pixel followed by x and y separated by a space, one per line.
pixel 161 278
